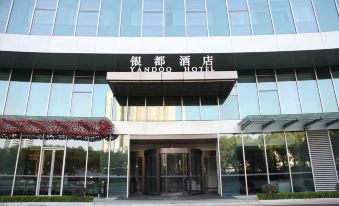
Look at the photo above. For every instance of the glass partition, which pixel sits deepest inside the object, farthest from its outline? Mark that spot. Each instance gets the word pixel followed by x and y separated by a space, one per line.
pixel 232 164
pixel 299 161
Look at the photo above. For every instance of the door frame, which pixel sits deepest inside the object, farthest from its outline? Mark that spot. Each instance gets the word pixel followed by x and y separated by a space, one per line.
pixel 42 154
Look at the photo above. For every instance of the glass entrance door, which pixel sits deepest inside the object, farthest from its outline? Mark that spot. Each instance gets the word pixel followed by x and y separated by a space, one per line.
pixel 51 172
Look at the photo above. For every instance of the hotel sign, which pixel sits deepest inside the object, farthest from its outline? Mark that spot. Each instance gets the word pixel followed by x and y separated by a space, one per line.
pixel 159 64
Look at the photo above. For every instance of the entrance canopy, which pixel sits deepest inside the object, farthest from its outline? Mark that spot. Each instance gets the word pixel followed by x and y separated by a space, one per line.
pixel 290 122
pixel 212 83
pixel 55 127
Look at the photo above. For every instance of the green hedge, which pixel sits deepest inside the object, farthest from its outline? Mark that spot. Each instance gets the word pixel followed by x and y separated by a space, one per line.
pixel 45 199
pixel 298 195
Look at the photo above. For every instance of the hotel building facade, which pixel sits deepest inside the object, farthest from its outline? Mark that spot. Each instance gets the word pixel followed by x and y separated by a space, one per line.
pixel 206 96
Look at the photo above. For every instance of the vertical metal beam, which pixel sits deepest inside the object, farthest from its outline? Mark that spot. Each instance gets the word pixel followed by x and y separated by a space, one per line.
pixel 63 168
pixel 266 161
pixel 128 165
pixel 50 182
pixel 16 165
pixel 218 159
pixel 85 183
pixel 288 162
pixel 109 164
pixel 244 161
pixel 37 189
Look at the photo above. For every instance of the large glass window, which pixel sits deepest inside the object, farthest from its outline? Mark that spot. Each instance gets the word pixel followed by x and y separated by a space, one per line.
pixel 38 97
pixel 109 18
pixel 239 19
pixel 88 18
pixel 277 161
pixel 5 6
pixel 308 90
pixel 217 18
pixel 260 17
pixel 119 108
pixel 18 92
pixel 248 98
pixel 43 17
pixel 4 82
pixel 255 162
pixel 191 109
pixel 172 109
pixel 232 165
pixel 136 109
pixel 61 92
pixel 229 108
pixel 268 94
pixel 131 18
pixel 288 92
pixel 118 166
pixel 282 17
pixel 299 161
pixel 326 90
pixel 21 16
pixel 327 15
pixel 304 16
pixel 155 108
pixel 66 18
pixel 97 169
pixel 8 153
pixel 102 96
pixel 152 18
pixel 196 18
pixel 75 164
pixel 174 18
pixel 82 94
pixel 28 166
pixel 209 108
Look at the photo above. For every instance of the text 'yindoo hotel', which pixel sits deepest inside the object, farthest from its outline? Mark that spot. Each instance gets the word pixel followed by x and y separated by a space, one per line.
pixel 168 97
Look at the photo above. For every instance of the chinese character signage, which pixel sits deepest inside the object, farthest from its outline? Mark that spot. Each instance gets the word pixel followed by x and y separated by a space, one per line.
pixel 159 64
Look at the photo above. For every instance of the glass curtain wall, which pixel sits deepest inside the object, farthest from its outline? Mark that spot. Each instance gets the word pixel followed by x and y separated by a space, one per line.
pixel 43 18
pixel 229 107
pixel 4 83
pixel 268 93
pixel 88 17
pixel 5 7
pixel 239 17
pixel 196 22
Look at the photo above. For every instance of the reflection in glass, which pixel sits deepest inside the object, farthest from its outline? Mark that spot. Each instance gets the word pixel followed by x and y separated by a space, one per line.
pixel 232 164
pixel 75 167
pixel 109 18
pixel 269 102
pixel 248 98
pixel 46 4
pixel 260 17
pixel 39 93
pixel 28 166
pixel 277 161
pixel 102 97
pixel 87 23
pixel 288 92
pixel 239 23
pixel 152 24
pixel 335 76
pixel 8 153
pixel 66 17
pixel 255 162
pixel 97 167
pixel 118 166
pixel 5 6
pixel 21 16
pixel 196 23
pixel 4 82
pixel 236 5
pixel 61 92
pixel 174 18
pixel 282 17
pixel 229 108
pixel 136 109
pixel 172 109
pixel 334 135
pixel 309 94
pixel 209 108
pixel 81 104
pixel 118 108
pixel 191 108
pixel 42 22
pixel 153 5
pixel 326 90
pixel 304 16
pixel 131 18
pixel 18 92
pixel 299 161
pixel 327 15
pixel 217 18
pixel 89 5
